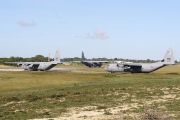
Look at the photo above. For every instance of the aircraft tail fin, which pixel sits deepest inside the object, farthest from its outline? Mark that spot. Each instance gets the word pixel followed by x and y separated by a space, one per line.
pixel 57 57
pixel 169 57
pixel 83 57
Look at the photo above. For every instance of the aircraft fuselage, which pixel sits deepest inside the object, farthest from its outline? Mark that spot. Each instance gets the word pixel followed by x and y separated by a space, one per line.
pixel 144 68
pixel 43 66
pixel 92 64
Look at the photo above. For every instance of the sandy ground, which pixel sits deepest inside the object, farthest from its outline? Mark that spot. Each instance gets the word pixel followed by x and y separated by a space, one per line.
pixel 11 70
pixel 119 112
pixel 89 113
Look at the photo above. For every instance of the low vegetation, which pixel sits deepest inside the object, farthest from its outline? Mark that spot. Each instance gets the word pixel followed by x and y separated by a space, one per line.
pixel 30 95
pixel 153 115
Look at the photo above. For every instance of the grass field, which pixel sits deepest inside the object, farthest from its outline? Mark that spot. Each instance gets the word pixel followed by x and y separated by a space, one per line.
pixel 89 93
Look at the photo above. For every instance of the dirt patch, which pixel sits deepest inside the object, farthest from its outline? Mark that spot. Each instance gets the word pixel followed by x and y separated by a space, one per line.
pixel 122 111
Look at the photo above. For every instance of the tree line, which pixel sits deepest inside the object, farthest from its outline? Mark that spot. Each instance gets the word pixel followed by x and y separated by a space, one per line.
pixel 37 58
pixel 41 58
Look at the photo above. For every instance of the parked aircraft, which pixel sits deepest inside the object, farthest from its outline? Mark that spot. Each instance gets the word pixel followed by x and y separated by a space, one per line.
pixel 43 66
pixel 91 63
pixel 142 67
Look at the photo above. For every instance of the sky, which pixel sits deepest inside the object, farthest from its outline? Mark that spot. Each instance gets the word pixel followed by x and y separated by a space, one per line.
pixel 128 29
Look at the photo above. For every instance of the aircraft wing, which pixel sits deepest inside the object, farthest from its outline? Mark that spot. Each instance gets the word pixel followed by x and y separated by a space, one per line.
pixel 16 63
pixel 90 61
pixel 20 63
pixel 76 61
pixel 10 62
pixel 131 64
pixel 97 61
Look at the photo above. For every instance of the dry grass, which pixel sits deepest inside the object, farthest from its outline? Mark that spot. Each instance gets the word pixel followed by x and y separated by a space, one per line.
pixel 28 95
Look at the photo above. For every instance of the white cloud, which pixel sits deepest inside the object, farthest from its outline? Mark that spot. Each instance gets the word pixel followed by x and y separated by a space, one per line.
pixel 26 24
pixel 98 34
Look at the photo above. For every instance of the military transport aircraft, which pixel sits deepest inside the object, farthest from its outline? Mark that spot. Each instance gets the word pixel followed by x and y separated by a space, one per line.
pixel 35 66
pixel 142 67
pixel 91 63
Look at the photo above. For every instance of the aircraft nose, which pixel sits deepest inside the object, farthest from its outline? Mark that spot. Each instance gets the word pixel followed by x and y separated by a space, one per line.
pixel 106 68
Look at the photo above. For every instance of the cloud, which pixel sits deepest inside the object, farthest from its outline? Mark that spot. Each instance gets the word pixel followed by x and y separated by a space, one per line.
pixel 98 34
pixel 26 24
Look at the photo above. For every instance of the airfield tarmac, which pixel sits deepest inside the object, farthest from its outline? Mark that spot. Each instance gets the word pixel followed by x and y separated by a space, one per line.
pixel 56 69
pixel 52 70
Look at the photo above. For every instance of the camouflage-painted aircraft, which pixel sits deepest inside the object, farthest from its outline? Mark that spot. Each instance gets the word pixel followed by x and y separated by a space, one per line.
pixel 91 63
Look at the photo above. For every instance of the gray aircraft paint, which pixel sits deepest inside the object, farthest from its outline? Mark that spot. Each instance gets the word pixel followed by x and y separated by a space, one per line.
pixel 142 67
pixel 43 66
pixel 91 63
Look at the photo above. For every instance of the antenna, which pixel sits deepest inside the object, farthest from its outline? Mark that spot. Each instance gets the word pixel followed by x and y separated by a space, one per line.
pixel 49 58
